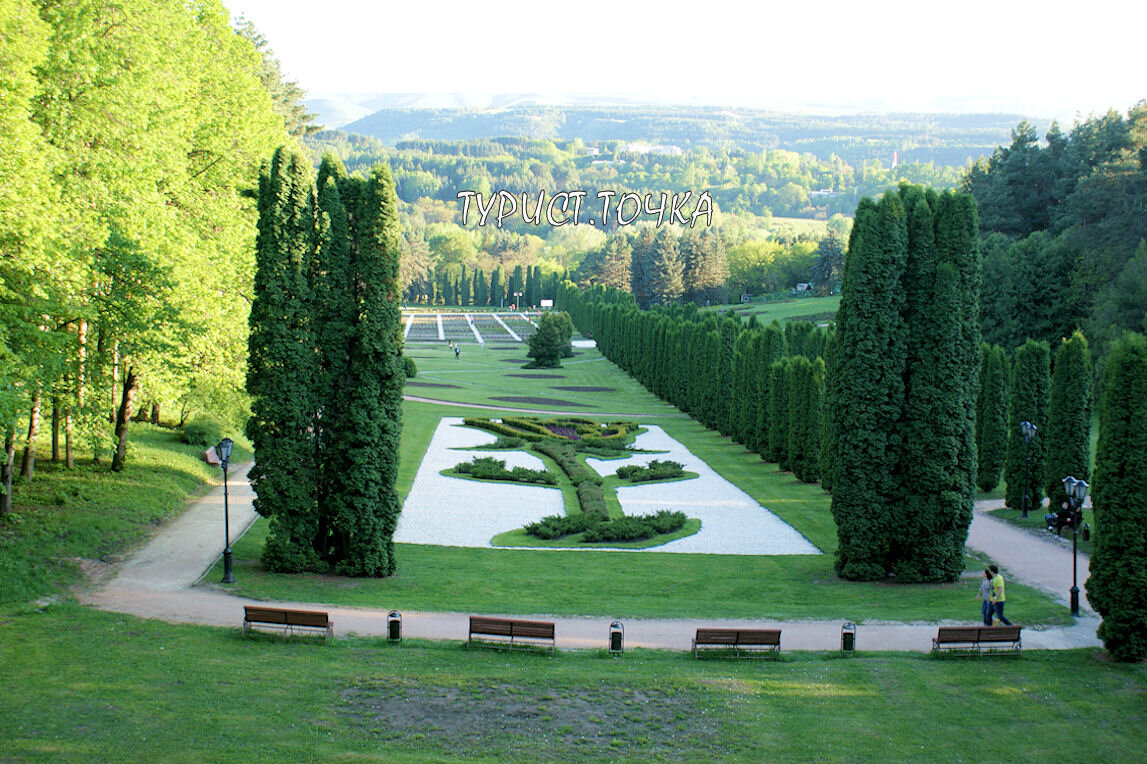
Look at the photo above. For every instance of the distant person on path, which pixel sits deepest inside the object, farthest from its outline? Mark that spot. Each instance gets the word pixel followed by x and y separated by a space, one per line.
pixel 985 595
pixel 998 594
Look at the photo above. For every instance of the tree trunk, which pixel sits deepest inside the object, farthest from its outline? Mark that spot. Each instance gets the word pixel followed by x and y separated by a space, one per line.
pixel 55 429
pixel 123 416
pixel 28 466
pixel 69 457
pixel 154 412
pixel 7 469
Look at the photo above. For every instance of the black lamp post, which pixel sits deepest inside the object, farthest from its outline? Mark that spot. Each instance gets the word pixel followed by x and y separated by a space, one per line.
pixel 1076 491
pixel 1028 430
pixel 223 451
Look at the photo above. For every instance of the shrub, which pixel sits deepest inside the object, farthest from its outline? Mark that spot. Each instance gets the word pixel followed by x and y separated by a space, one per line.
pixel 204 430
pixel 657 470
pixel 411 367
pixel 489 468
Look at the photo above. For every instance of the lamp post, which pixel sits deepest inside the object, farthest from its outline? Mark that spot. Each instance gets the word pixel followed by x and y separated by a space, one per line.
pixel 518 300
pixel 1028 430
pixel 1076 491
pixel 223 451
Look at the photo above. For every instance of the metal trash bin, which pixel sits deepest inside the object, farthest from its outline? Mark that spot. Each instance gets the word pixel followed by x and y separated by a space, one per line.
pixel 616 638
pixel 394 626
pixel 848 637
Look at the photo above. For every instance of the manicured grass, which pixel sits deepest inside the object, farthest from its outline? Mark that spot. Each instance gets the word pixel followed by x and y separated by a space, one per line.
pixel 159 692
pixel 481 374
pixel 63 516
pixel 818 309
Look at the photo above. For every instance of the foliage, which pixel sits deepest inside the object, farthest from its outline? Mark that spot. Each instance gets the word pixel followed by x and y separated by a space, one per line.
pixel 410 366
pixel 903 397
pixel 202 430
pixel 991 416
pixel 1031 378
pixel 1116 588
pixel 489 468
pixel 1068 417
pixel 551 342
pixel 655 470
pixel 327 381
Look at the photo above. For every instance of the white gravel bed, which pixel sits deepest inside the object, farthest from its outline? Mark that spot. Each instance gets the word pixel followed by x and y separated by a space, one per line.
pixel 457 512
pixel 731 521
pixel 584 343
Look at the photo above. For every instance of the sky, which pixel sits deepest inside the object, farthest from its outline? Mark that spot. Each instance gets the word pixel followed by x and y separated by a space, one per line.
pixel 1045 60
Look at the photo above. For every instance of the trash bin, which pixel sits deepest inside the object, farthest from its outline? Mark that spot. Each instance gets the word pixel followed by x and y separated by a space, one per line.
pixel 616 638
pixel 848 637
pixel 394 626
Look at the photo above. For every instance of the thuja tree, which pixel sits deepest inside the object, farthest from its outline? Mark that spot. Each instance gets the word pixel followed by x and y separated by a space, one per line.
pixel 1117 588
pixel 778 413
pixel 806 392
pixel 1031 378
pixel 991 416
pixel 326 371
pixel 362 522
pixel 282 365
pixel 868 393
pixel 1068 417
pixel 937 463
pixel 902 398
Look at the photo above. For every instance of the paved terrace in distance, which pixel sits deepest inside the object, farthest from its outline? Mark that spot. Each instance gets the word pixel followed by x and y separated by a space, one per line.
pixel 159 581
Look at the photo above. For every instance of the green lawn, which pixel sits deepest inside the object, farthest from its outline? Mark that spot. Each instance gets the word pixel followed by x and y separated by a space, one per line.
pixel 483 375
pixel 819 309
pixel 93 686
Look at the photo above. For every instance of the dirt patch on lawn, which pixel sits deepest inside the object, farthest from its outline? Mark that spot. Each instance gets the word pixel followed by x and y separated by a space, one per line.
pixel 538 401
pixel 518 361
pixel 506 720
pixel 587 389
pixel 538 376
pixel 432 384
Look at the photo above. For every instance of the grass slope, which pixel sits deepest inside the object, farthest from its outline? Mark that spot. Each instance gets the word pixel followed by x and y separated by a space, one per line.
pixel 160 692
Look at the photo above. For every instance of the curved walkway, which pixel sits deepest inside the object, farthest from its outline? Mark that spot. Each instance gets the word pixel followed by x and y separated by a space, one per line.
pixel 159 581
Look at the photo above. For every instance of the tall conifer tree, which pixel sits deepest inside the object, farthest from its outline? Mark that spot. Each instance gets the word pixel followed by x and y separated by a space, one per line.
pixel 282 365
pixel 1116 588
pixel 992 416
pixel 1031 378
pixel 1069 417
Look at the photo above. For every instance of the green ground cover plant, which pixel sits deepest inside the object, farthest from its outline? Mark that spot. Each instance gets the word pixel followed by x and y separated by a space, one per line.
pixel 489 468
pixel 161 692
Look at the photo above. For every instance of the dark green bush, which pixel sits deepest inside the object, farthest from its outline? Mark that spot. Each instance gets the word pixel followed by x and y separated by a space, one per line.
pixel 489 468
pixel 204 430
pixel 411 367
pixel 621 529
pixel 657 470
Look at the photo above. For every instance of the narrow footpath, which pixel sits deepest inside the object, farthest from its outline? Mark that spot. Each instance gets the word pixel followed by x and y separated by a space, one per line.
pixel 160 581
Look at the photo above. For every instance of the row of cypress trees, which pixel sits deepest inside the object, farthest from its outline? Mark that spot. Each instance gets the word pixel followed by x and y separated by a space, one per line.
pixel 325 370
pixel 761 385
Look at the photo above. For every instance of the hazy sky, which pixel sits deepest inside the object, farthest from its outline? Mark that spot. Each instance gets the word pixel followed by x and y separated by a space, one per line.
pixel 1049 59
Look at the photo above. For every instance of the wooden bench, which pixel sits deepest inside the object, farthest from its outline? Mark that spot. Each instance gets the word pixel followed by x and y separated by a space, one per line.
pixel 513 632
pixel 737 640
pixel 977 639
pixel 287 620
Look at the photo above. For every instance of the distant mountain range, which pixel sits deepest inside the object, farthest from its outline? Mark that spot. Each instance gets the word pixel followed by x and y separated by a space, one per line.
pixel 946 139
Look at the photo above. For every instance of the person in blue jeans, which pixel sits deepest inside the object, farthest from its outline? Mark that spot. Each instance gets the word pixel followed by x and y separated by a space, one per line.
pixel 998 595
pixel 985 595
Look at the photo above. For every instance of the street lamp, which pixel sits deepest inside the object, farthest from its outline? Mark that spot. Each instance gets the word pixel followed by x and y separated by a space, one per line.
pixel 223 451
pixel 518 300
pixel 1076 491
pixel 1028 430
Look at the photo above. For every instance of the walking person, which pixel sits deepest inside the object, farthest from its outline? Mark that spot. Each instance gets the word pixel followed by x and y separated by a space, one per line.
pixel 998 594
pixel 985 595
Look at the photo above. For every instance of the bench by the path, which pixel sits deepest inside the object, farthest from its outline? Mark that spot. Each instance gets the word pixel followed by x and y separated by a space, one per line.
pixel 287 620
pixel 737 640
pixel 511 632
pixel 977 640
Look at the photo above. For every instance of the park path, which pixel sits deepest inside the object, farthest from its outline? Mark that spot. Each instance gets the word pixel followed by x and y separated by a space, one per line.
pixel 160 581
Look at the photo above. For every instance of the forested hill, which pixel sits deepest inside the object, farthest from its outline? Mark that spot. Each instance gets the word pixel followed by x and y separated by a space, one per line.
pixel 945 139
